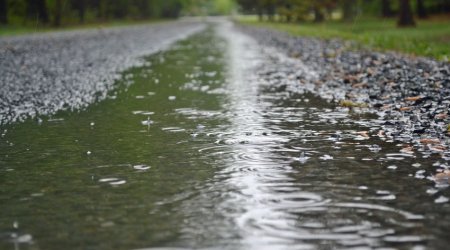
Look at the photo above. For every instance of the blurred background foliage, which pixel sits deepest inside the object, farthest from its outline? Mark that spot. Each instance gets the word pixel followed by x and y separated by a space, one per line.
pixel 416 27
pixel 66 12
pixel 371 22
pixel 345 10
pixel 69 12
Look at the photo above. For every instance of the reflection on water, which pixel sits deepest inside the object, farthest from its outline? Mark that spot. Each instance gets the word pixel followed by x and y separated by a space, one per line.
pixel 204 151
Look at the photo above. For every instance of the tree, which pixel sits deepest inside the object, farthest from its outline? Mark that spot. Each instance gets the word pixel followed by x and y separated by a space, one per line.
pixel 3 12
pixel 37 9
pixel 285 10
pixel 421 11
pixel 271 6
pixel 318 15
pixel 58 13
pixel 349 10
pixel 405 18
pixel 259 10
pixel 80 6
pixel 97 6
pixel 247 6
pixel 320 7
pixel 144 9
pixel 386 10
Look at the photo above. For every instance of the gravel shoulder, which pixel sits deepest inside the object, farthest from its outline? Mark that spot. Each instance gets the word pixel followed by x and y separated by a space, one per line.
pixel 43 73
pixel 410 96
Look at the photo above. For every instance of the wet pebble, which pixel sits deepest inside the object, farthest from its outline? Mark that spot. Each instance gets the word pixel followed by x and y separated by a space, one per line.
pixel 441 199
pixel 392 167
pixel 326 157
pixel 411 95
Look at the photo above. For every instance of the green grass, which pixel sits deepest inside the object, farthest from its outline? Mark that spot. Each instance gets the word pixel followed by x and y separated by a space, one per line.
pixel 431 38
pixel 12 30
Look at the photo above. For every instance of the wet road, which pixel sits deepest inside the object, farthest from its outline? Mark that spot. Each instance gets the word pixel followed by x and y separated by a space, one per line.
pixel 198 150
pixel 41 74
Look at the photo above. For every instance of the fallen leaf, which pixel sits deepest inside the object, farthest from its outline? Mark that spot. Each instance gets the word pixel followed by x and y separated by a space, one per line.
pixel 407 150
pixel 441 116
pixel 437 149
pixel 441 147
pixel 405 108
pixel 442 177
pixel 430 141
pixel 386 107
pixel 363 133
pixel 351 78
pixel 413 98
pixel 359 85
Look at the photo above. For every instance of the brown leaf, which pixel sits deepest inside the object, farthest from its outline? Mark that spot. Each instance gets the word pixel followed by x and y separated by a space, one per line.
pixel 442 177
pixel 386 107
pixel 351 78
pixel 430 141
pixel 363 133
pixel 441 116
pixel 413 98
pixel 436 149
pixel 407 150
pixel 359 85
pixel 405 108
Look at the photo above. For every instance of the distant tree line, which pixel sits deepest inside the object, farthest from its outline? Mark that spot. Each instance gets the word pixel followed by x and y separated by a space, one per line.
pixel 59 12
pixel 320 10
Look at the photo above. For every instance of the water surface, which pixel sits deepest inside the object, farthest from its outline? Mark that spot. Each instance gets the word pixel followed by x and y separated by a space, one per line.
pixel 197 150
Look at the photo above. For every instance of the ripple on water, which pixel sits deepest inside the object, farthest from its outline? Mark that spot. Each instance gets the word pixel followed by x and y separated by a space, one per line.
pixel 173 129
pixel 194 114
pixel 345 232
pixel 141 112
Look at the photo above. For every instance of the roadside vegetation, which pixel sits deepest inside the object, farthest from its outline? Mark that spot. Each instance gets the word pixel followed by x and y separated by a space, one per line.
pixel 430 38
pixel 419 27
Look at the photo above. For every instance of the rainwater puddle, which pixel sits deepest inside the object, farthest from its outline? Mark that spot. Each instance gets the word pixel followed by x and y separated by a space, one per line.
pixel 202 152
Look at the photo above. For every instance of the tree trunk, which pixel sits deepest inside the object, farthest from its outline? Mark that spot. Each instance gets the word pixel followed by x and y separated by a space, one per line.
pixel 386 10
pixel 144 9
pixel 37 10
pixel 421 11
pixel 3 12
pixel 270 8
pixel 405 18
pixel 260 13
pixel 348 7
pixel 81 7
pixel 288 13
pixel 96 5
pixel 288 18
pixel 102 10
pixel 42 11
pixel 58 10
pixel 318 15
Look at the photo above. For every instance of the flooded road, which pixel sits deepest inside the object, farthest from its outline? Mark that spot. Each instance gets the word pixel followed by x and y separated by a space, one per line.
pixel 198 150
